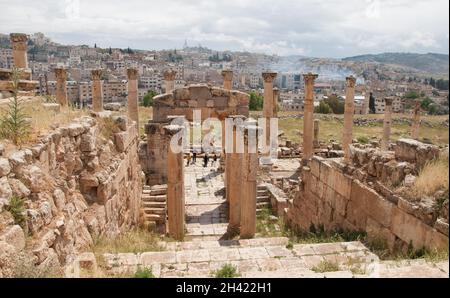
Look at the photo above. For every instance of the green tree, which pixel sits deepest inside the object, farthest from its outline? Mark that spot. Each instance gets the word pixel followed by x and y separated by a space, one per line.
pixel 256 101
pixel 412 95
pixel 335 104
pixel 323 108
pixel 14 124
pixel 147 101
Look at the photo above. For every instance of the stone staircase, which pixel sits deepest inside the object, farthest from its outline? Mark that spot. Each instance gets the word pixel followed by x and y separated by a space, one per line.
pixel 262 198
pixel 154 205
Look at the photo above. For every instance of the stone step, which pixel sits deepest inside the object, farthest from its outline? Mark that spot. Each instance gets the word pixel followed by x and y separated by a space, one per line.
pixel 263 192
pixel 263 199
pixel 158 211
pixel 154 204
pixel 149 198
pixel 155 218
pixel 211 244
pixel 261 205
pixel 261 187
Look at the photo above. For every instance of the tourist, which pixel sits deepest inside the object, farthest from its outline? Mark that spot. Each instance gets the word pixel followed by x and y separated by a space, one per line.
pixel 205 160
pixel 189 157
pixel 214 160
pixel 194 157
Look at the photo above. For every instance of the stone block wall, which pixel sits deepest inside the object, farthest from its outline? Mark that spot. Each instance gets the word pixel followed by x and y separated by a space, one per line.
pixel 330 198
pixel 78 182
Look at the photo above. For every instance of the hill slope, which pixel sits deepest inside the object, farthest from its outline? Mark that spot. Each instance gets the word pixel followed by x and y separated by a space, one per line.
pixel 437 64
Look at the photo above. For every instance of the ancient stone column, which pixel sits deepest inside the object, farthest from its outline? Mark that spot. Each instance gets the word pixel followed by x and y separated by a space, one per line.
pixel 365 103
pixel 227 79
pixel 316 142
pixel 133 110
pixel 175 186
pixel 169 80
pixel 249 172
pixel 348 118
pixel 387 123
pixel 19 46
pixel 276 94
pixel 234 184
pixel 97 92
pixel 416 121
pixel 61 87
pixel 268 109
pixel 308 114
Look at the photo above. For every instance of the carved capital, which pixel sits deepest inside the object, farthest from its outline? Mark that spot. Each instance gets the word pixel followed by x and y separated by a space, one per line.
pixel 269 77
pixel 132 74
pixel 61 74
pixel 227 75
pixel 170 75
pixel 309 78
pixel 96 74
pixel 18 38
pixel 351 82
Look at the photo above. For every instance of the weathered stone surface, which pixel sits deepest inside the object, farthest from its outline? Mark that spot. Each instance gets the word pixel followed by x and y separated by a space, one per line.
pixel 5 167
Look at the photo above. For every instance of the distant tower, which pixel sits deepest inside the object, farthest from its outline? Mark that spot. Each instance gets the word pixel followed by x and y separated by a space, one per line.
pixel 185 44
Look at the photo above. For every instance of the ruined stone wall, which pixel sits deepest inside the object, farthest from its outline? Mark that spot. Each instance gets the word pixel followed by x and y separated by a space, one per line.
pixel 80 181
pixel 212 101
pixel 330 198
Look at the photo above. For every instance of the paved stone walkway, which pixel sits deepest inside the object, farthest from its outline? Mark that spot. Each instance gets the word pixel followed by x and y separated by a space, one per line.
pixel 206 206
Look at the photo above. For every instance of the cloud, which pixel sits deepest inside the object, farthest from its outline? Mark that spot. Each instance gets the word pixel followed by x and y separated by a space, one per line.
pixel 333 28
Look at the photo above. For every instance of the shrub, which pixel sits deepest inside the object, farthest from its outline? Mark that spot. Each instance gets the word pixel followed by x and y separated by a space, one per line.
pixel 323 108
pixel 256 101
pixel 132 242
pixel 363 140
pixel 17 209
pixel 326 266
pixel 147 101
pixel 14 124
pixel 227 271
pixel 144 273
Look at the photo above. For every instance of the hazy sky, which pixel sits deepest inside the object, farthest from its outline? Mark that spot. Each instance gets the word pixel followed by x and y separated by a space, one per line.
pixel 321 28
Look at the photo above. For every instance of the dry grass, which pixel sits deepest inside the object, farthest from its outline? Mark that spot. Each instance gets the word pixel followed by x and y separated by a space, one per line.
pixel 145 114
pixel 132 242
pixel 434 177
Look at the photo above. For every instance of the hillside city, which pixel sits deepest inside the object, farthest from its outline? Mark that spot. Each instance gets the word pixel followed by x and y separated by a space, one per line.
pixel 196 64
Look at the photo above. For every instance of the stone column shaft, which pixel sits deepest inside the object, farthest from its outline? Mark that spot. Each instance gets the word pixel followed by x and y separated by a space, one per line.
pixel 227 79
pixel 308 115
pixel 276 94
pixel 416 121
pixel 61 87
pixel 316 133
pixel 234 191
pixel 169 80
pixel 348 118
pixel 387 124
pixel 97 91
pixel 133 106
pixel 19 46
pixel 268 109
pixel 249 190
pixel 175 187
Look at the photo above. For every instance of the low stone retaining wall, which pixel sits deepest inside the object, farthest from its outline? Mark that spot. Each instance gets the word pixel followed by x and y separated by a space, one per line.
pixel 330 198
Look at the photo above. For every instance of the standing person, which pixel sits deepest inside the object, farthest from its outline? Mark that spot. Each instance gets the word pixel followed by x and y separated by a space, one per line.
pixel 189 157
pixel 194 157
pixel 214 159
pixel 205 160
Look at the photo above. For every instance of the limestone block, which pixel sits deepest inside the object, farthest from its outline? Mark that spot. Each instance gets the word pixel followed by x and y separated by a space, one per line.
pixel 14 236
pixel 409 228
pixel 181 94
pixel 75 129
pixel 87 142
pixel 34 178
pixel 5 189
pixel 5 167
pixel 18 188
pixel 376 232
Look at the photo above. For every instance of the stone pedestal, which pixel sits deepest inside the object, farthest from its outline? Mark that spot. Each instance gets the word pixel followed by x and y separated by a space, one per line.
pixel 19 46
pixel 227 79
pixel 316 141
pixel 348 118
pixel 175 187
pixel 308 114
pixel 97 92
pixel 249 189
pixel 416 121
pixel 169 80
pixel 61 87
pixel 387 124
pixel 133 106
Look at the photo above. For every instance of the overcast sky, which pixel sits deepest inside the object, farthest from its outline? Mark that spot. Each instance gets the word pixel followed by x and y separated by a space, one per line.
pixel 319 28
